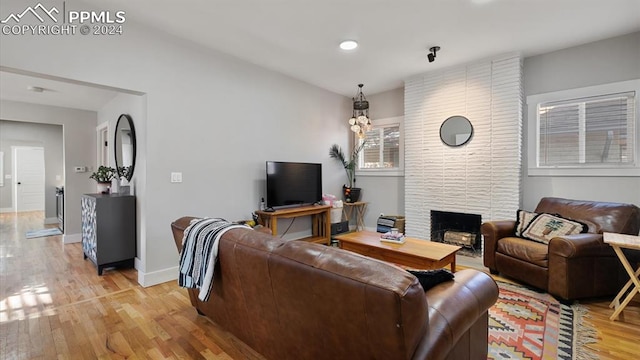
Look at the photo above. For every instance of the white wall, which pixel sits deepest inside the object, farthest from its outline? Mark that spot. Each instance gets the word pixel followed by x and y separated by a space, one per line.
pixel 49 137
pixel 610 60
pixel 79 137
pixel 135 106
pixel 601 62
pixel 210 116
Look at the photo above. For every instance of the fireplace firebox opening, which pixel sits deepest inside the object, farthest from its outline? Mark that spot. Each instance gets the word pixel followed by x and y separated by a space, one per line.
pixel 459 229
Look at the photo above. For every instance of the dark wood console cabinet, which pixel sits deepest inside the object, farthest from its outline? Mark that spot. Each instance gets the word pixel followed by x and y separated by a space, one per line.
pixel 109 229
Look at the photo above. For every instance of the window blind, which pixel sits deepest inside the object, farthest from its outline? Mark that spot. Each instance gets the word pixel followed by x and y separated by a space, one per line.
pixel 592 131
pixel 382 148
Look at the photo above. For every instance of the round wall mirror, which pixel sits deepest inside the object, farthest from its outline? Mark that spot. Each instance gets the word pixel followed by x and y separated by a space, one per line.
pixel 125 146
pixel 456 131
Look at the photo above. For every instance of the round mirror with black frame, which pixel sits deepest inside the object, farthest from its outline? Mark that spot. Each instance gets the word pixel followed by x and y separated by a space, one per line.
pixel 124 145
pixel 456 131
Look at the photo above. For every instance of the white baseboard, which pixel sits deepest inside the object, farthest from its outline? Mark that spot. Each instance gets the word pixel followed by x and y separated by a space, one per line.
pixel 52 220
pixel 71 238
pixel 157 277
pixel 6 210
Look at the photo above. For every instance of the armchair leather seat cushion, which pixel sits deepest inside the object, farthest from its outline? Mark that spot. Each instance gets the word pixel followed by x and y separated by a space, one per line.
pixel 523 249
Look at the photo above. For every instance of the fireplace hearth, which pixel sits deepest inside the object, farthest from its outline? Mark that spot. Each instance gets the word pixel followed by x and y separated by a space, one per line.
pixel 460 229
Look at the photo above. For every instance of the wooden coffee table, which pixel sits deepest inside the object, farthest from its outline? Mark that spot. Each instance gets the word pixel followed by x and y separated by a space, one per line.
pixel 414 253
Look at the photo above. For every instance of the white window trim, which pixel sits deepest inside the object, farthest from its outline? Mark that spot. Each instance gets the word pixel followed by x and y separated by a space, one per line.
pixel 533 137
pixel 399 171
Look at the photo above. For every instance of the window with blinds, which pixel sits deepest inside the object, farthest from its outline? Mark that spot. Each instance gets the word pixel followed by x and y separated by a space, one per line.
pixel 383 150
pixel 590 131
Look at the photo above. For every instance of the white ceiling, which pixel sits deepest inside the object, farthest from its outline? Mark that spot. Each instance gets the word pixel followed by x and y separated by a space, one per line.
pixel 14 87
pixel 300 37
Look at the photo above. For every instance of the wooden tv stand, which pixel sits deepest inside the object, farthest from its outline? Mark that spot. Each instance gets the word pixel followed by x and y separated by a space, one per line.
pixel 320 221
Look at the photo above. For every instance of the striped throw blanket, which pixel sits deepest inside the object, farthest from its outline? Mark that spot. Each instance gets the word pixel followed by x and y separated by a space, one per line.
pixel 200 253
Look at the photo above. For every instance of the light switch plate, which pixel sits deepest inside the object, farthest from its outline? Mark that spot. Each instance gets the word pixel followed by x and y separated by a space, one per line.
pixel 176 177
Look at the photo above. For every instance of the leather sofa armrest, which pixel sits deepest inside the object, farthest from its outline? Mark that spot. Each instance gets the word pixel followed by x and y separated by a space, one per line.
pixel 579 245
pixel 454 307
pixel 492 232
pixel 582 266
pixel 178 227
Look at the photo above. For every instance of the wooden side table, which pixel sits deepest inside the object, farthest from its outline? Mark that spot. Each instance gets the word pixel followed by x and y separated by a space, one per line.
pixel 320 221
pixel 359 208
pixel 618 242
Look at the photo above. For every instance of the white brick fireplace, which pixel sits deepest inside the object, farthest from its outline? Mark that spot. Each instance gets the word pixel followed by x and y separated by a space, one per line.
pixel 481 177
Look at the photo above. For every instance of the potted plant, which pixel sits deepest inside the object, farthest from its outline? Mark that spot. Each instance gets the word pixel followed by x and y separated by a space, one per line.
pixel 103 177
pixel 351 192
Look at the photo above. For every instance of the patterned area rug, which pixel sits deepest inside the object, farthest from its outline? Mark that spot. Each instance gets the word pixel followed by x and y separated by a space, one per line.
pixel 43 233
pixel 525 324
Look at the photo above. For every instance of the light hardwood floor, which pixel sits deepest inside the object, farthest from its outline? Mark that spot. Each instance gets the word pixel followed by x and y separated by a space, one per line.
pixel 53 305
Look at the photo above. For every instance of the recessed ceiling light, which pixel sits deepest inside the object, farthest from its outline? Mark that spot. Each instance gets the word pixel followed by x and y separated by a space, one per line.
pixel 35 88
pixel 348 45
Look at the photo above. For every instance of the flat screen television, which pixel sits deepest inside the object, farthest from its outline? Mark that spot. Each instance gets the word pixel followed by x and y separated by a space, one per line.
pixel 292 184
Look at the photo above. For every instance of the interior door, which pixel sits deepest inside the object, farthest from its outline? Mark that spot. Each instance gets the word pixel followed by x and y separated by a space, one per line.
pixel 29 178
pixel 103 144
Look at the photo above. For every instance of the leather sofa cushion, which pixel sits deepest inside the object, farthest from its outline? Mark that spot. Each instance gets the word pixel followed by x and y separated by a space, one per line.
pixel 312 288
pixel 526 250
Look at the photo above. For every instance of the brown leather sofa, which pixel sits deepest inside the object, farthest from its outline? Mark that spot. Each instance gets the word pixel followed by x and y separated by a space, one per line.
pixel 570 267
pixel 298 300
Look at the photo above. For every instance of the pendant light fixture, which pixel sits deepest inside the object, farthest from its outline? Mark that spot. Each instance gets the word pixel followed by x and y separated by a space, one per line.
pixel 360 122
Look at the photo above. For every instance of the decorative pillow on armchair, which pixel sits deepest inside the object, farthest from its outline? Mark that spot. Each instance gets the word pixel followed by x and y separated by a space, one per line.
pixel 523 219
pixel 545 227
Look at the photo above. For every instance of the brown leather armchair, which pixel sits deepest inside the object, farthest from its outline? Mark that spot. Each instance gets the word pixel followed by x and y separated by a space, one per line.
pixel 569 267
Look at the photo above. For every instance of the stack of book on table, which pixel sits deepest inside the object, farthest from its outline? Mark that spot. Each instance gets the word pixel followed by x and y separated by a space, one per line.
pixel 393 237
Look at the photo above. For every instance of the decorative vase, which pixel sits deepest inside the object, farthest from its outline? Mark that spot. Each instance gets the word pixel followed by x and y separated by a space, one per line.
pixel 351 194
pixel 103 187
